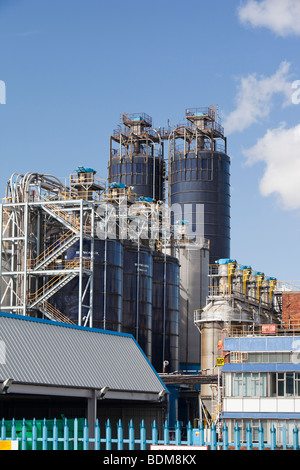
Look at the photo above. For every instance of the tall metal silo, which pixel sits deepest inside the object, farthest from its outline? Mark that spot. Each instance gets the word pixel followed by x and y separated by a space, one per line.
pixel 136 156
pixel 108 284
pixel 137 294
pixel 194 263
pixel 199 170
pixel 165 312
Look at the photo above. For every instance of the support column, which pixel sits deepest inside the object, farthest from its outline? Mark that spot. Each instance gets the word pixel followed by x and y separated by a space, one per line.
pixel 92 415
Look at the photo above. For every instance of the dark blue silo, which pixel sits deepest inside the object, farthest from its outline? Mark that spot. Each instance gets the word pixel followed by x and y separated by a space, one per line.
pixel 200 180
pixel 107 285
pixel 137 294
pixel 137 158
pixel 143 174
pixel 165 312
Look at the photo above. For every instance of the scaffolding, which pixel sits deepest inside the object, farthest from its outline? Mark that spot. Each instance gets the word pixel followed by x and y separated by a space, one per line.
pixel 42 220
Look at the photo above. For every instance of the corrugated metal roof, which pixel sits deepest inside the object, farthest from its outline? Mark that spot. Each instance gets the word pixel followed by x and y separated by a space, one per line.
pixel 41 352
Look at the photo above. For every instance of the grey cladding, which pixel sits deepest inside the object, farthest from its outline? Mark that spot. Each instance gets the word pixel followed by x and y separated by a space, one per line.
pixel 46 353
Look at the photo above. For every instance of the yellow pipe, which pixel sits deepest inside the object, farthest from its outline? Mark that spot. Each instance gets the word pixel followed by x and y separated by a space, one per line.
pixel 246 277
pixel 259 280
pixel 272 285
pixel 231 269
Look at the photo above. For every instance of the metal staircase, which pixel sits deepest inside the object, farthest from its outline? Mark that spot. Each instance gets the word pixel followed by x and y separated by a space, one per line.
pixel 63 217
pixel 50 288
pixel 53 313
pixel 53 251
pixel 68 220
pixel 51 259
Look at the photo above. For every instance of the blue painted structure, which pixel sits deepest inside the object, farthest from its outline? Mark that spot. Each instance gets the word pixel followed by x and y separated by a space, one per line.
pixel 276 362
pixel 49 438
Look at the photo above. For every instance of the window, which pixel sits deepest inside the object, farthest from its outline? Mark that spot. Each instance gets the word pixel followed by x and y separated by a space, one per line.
pixel 289 384
pixel 285 384
pixel 237 385
pixel 280 385
pixel 267 357
pixel 297 384
pixel 249 384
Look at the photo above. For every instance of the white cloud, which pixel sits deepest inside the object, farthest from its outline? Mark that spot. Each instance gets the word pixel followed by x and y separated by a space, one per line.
pixel 280 16
pixel 279 149
pixel 254 98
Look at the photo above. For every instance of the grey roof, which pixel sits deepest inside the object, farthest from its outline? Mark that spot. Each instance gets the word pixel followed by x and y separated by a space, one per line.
pixel 41 352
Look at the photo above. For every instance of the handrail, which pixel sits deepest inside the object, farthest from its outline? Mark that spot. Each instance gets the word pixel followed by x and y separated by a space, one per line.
pixel 290 327
pixel 50 249
pixel 70 219
pixel 53 311
pixel 227 290
pixel 215 415
pixel 72 264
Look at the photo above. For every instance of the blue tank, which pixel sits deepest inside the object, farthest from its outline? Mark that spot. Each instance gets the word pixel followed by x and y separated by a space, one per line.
pixel 143 174
pixel 165 312
pixel 137 294
pixel 201 182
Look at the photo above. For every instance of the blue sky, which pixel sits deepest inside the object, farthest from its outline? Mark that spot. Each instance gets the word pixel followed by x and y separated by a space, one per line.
pixel 71 67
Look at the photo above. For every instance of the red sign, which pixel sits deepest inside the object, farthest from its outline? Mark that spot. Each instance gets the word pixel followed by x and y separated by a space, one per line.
pixel 269 329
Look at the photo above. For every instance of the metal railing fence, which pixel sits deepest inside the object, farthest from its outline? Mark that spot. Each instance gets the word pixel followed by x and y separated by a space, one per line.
pixel 73 434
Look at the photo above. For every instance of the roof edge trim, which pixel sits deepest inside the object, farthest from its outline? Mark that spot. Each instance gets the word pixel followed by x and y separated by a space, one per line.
pixel 65 325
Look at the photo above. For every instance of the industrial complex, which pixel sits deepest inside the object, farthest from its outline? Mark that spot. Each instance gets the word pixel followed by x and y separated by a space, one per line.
pixel 120 296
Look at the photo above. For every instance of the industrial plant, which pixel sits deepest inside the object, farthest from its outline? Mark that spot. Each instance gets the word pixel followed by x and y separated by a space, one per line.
pixel 144 251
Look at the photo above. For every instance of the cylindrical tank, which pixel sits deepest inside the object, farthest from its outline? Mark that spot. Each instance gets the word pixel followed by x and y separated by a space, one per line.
pixel 194 260
pixel 107 285
pixel 137 294
pixel 165 313
pixel 142 173
pixel 200 193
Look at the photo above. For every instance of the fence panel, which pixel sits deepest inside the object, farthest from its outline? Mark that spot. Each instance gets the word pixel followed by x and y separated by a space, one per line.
pixel 74 435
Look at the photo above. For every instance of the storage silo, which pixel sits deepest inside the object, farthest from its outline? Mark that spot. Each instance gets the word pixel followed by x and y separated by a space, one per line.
pixel 194 261
pixel 165 313
pixel 107 285
pixel 137 294
pixel 137 160
pixel 199 170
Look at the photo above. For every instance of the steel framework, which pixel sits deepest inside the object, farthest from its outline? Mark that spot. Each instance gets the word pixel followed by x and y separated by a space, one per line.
pixel 41 219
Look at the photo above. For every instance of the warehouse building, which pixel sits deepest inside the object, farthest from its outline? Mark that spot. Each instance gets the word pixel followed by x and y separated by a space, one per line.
pixel 50 368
